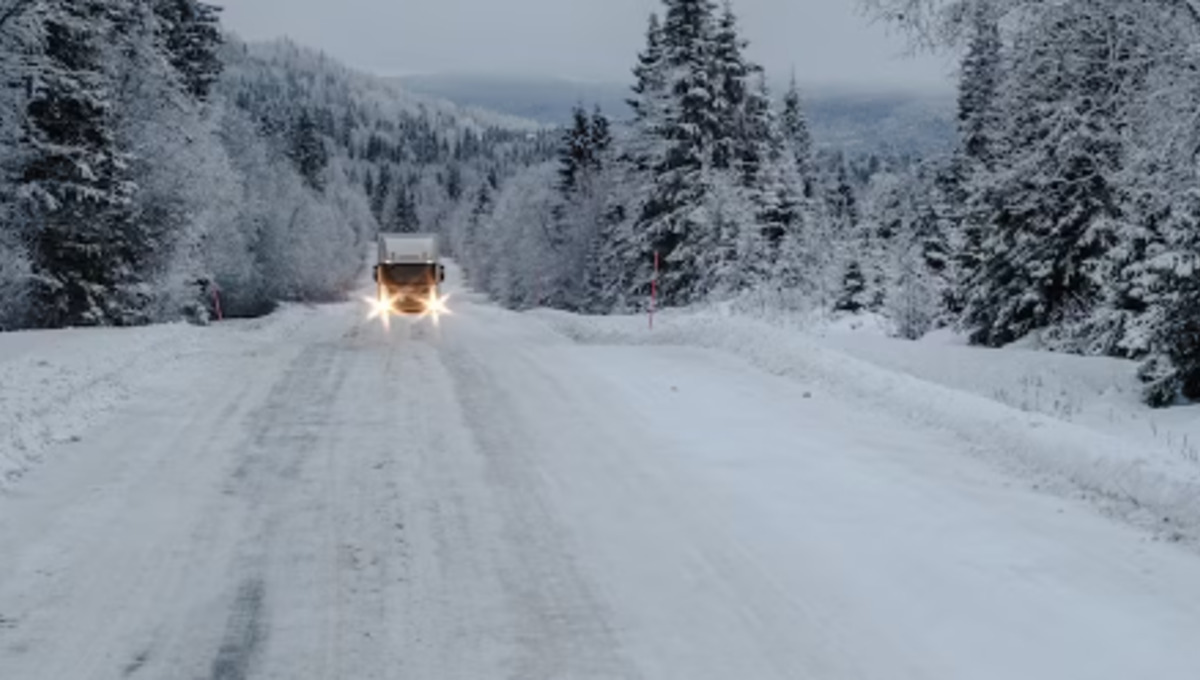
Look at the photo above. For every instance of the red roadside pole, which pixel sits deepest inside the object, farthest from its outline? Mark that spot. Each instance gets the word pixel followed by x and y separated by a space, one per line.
pixel 217 303
pixel 654 291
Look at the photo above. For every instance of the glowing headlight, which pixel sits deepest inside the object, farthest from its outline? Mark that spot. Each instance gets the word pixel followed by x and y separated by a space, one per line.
pixel 435 307
pixel 382 308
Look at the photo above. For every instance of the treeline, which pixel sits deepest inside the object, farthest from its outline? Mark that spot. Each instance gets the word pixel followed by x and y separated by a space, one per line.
pixel 1074 196
pixel 709 177
pixel 147 158
pixel 1068 214
pixel 719 180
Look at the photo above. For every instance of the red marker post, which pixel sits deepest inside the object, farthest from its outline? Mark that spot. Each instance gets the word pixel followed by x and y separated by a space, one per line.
pixel 654 291
pixel 216 293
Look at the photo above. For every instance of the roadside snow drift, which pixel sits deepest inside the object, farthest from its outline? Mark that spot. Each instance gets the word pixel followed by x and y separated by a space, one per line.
pixel 1071 425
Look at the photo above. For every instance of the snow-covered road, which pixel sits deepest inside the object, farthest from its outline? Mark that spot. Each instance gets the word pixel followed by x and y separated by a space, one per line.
pixel 311 497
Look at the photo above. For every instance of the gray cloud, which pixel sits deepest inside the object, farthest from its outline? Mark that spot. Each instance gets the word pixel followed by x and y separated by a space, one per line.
pixel 826 41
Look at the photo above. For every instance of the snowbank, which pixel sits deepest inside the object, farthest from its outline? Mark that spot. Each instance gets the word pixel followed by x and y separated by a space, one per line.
pixel 55 385
pixel 1067 423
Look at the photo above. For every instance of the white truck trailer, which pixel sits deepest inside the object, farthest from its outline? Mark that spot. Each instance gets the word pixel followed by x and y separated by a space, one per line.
pixel 409 273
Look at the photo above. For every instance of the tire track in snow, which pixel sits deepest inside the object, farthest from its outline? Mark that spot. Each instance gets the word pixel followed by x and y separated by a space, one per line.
pixel 284 436
pixel 244 633
pixel 563 626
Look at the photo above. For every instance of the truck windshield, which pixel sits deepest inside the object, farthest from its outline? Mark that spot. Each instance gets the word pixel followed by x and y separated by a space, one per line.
pixel 407 274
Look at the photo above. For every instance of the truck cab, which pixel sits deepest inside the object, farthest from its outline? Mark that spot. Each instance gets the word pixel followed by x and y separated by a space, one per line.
pixel 409 273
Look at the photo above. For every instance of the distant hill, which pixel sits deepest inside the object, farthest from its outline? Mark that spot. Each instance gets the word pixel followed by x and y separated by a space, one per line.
pixel 547 100
pixel 854 121
pixel 902 122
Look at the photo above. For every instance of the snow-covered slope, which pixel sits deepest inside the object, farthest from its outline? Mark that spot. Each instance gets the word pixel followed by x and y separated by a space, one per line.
pixel 1068 424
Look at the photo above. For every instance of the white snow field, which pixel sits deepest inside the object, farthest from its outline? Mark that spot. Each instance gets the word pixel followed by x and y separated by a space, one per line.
pixel 540 496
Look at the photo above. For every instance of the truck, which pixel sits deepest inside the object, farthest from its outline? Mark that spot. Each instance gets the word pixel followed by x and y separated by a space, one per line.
pixel 409 273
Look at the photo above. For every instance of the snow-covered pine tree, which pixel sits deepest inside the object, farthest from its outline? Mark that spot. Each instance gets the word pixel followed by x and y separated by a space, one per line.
pixel 74 178
pixel 1053 201
pixel 979 130
pixel 797 136
pixel 18 36
pixel 673 216
pixel 979 86
pixel 905 250
pixel 191 32
pixel 774 185
pixel 840 196
pixel 601 137
pixel 307 150
pixel 576 150
pixel 849 239
pixel 649 77
pixel 383 186
pixel 624 246
pixel 758 141
pixel 404 213
pixel 1165 288
pixel 854 296
pixel 731 76
pixel 472 247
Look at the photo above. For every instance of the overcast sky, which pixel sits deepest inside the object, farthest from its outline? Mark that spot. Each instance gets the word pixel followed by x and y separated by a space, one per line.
pixel 826 41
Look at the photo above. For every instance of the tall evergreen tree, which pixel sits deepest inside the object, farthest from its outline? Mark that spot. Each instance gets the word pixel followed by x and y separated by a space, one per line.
pixel 404 213
pixel 672 216
pixel 601 136
pixel 1053 202
pixel 649 76
pixel 979 87
pixel 840 197
pixel 576 151
pixel 797 136
pixel 308 150
pixel 730 75
pixel 74 177
pixel 192 34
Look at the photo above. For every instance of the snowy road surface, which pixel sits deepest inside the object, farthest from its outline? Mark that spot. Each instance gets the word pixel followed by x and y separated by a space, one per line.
pixel 309 497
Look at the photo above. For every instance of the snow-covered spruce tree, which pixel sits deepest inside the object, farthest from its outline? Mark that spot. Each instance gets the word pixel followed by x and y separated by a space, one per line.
pixel 626 250
pixel 979 128
pixel 1167 288
pixel 74 180
pixel 730 76
pixel 191 32
pixel 1155 299
pixel 674 217
pixel 908 249
pixel 1053 201
pixel 777 256
pixel 979 86
pixel 848 240
pixel 568 278
pixel 473 245
pixel 576 150
pixel 307 150
pixel 854 296
pixel 404 218
pixel 177 168
pixel 601 137
pixel 382 188
pixel 797 136
pixel 18 36
pixel 523 262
